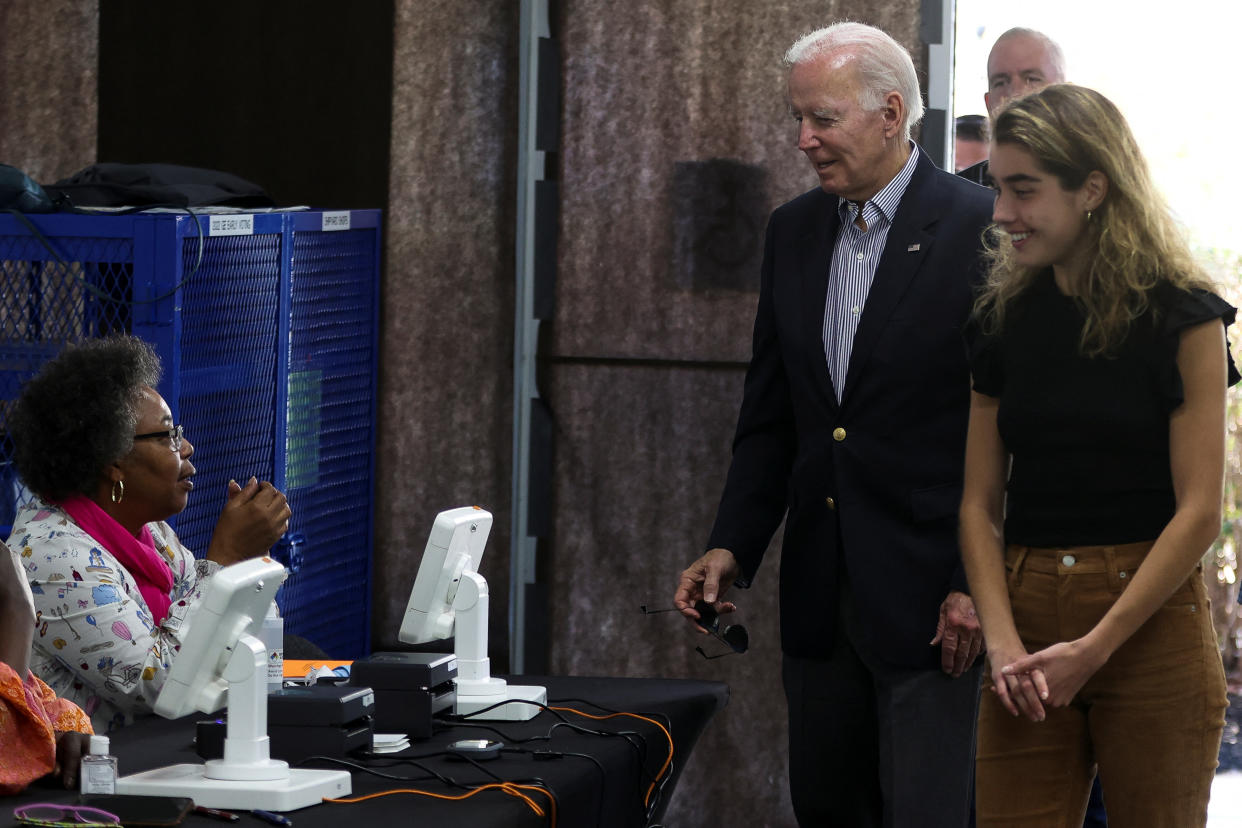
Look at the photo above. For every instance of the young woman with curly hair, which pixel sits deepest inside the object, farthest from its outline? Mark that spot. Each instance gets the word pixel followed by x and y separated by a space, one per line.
pixel 1094 473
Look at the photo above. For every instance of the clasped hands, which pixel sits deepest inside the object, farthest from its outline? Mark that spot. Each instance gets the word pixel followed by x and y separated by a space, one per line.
pixel 1027 684
pixel 253 519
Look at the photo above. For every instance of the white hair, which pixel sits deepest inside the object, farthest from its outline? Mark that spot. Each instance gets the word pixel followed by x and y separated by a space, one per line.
pixel 884 65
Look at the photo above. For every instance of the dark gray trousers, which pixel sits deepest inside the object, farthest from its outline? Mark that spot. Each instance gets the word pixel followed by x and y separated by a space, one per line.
pixel 877 747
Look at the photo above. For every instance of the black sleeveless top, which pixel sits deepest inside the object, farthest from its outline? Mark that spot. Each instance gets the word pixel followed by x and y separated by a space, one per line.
pixel 1089 436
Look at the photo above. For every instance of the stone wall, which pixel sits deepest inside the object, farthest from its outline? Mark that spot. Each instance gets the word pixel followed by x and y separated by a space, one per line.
pixel 49 55
pixel 446 335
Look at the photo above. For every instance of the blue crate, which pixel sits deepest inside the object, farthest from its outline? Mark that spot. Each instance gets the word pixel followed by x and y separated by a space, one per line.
pixel 269 350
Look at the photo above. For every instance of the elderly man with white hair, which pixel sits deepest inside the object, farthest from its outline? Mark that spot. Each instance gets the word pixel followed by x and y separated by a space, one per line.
pixel 851 430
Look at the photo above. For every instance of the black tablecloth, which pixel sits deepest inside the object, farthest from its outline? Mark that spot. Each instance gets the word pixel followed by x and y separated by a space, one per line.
pixel 621 790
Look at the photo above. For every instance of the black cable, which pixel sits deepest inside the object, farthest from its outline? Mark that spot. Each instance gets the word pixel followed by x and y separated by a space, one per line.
pixel 464 758
pixel 625 734
pixel 646 809
pixel 640 765
pixel 459 720
pixel 661 717
pixel 546 755
pixel 396 756
pixel 641 750
pixel 503 736
pixel 431 774
pixel 492 707
pixel 659 793
pixel 97 292
pixel 460 717
pixel 536 754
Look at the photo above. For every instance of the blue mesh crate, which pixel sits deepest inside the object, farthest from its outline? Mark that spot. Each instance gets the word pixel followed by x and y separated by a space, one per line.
pixel 267 327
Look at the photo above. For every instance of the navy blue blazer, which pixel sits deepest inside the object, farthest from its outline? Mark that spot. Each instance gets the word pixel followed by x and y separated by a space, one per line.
pixel 874 482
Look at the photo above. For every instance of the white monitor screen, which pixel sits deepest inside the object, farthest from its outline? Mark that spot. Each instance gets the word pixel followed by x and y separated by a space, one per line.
pixel 234 604
pixel 454 547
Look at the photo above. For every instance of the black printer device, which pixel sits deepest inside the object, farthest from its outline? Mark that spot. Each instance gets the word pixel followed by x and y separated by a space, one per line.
pixel 315 720
pixel 410 689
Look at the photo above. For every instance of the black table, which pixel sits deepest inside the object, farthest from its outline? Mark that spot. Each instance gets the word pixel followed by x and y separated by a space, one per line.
pixel 596 780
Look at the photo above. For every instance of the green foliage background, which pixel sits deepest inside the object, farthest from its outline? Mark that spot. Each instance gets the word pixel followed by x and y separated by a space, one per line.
pixel 1220 564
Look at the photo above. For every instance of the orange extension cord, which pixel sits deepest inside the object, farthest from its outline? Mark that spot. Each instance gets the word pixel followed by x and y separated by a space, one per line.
pixel 509 788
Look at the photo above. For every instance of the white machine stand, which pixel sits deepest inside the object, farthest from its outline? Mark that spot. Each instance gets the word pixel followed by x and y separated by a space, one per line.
pixel 449 593
pixel 476 687
pixel 222 631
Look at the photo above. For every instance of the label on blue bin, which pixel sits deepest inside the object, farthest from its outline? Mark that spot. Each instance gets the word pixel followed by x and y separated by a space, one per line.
pixel 336 220
pixel 239 224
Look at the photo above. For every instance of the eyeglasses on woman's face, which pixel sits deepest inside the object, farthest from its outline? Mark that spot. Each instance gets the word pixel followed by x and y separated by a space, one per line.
pixel 174 435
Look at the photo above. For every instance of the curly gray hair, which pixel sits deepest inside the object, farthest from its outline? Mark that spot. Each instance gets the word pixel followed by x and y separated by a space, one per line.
pixel 78 414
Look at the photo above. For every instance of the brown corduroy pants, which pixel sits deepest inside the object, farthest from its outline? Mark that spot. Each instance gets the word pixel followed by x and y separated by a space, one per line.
pixel 1150 718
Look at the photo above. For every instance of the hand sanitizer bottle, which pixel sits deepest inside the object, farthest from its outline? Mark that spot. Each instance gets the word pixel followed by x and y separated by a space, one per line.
pixel 98 771
pixel 272 635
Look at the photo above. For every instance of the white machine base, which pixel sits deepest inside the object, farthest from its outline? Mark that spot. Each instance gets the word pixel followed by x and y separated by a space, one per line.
pixel 303 788
pixel 516 712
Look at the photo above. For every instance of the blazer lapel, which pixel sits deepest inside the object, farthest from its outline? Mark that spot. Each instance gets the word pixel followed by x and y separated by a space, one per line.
pixel 817 262
pixel 907 244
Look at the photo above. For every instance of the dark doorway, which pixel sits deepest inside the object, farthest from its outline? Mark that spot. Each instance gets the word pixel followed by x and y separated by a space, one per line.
pixel 294 96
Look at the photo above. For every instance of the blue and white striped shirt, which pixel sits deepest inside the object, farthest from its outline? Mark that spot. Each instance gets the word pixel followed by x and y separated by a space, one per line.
pixel 854 260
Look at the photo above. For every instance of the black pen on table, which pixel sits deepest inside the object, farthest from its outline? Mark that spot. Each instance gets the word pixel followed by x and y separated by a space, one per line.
pixel 275 819
pixel 216 813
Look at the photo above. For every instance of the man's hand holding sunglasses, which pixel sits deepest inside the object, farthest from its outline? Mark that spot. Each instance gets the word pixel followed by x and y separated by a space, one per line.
pixel 707 579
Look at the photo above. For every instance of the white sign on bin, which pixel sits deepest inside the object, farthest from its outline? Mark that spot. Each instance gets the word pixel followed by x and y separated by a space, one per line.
pixel 336 220
pixel 240 224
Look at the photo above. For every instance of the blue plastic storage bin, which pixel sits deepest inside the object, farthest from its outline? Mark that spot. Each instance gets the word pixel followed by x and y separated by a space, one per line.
pixel 267 325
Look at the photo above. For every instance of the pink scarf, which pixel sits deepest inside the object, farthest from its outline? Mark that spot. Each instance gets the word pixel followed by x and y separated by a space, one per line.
pixel 137 555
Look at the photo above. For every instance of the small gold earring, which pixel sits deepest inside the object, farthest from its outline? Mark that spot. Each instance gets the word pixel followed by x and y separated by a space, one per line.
pixel 1088 215
pixel 117 497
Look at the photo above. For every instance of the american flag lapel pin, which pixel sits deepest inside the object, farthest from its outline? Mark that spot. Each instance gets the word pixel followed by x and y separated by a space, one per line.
pixel 912 248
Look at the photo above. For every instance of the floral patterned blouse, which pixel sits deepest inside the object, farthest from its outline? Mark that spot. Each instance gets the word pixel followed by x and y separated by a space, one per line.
pixel 95 643
pixel 30 716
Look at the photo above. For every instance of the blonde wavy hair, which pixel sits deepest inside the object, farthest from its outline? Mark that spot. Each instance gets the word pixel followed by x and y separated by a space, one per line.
pixel 1071 131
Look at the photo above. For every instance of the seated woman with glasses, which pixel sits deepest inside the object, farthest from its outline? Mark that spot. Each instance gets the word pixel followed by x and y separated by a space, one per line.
pixel 112 584
pixel 39 733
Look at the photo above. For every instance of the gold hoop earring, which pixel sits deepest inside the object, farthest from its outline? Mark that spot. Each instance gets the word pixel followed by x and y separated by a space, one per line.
pixel 1088 215
pixel 117 497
